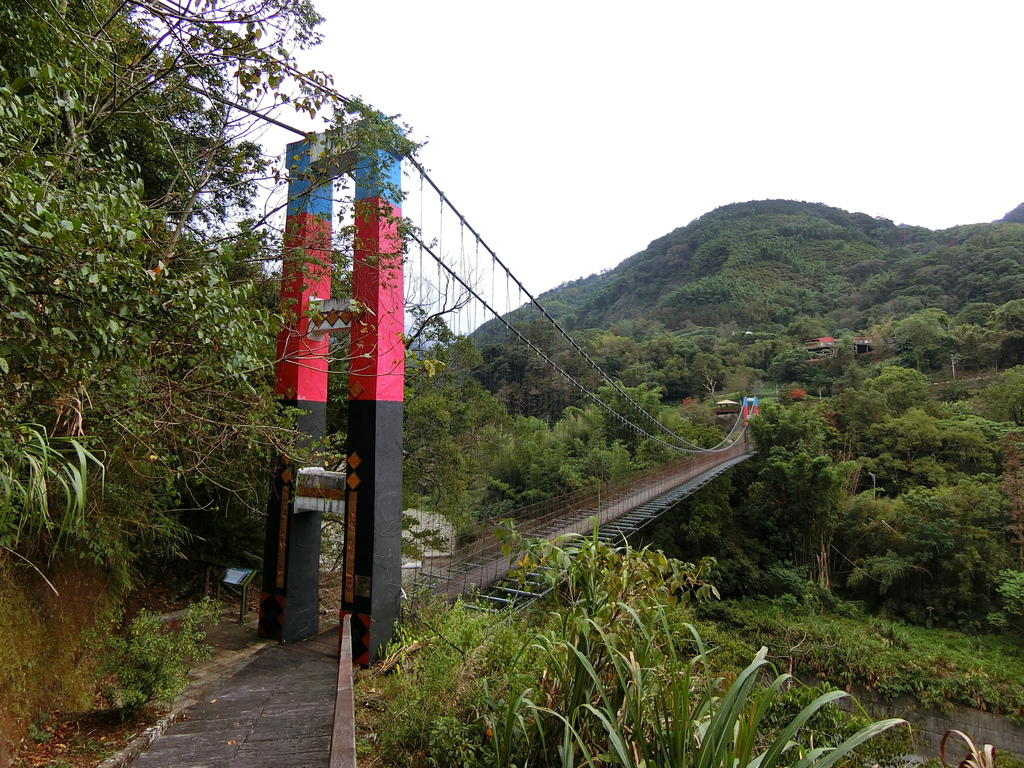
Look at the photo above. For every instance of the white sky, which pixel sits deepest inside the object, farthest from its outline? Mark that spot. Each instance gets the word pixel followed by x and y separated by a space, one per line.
pixel 571 134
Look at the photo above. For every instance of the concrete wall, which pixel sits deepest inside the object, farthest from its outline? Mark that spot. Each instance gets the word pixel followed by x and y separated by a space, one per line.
pixel 930 724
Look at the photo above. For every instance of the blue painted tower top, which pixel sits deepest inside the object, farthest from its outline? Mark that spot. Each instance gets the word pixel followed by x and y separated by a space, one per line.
pixel 314 162
pixel 309 186
pixel 379 175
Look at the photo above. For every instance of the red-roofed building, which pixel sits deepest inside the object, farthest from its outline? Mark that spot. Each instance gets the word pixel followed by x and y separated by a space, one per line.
pixel 822 346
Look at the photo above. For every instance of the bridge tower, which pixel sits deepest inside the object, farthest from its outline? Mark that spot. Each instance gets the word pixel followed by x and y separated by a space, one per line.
pixel 372 584
pixel 289 601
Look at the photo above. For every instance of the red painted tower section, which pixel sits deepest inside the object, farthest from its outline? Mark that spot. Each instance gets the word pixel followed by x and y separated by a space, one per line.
pixel 373 536
pixel 301 369
pixel 377 368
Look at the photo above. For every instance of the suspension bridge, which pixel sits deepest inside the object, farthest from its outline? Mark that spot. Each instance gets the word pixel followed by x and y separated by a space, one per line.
pixel 287 697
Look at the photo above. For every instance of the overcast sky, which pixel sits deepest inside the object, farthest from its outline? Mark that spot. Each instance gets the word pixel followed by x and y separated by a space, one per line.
pixel 572 134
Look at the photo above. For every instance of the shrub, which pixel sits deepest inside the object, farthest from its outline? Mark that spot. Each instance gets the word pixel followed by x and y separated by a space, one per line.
pixel 151 661
pixel 1011 589
pixel 446 660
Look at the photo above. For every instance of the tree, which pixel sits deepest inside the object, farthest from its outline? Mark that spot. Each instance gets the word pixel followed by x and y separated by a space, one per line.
pixel 924 335
pixel 792 428
pixel 452 430
pixel 1008 322
pixel 1011 590
pixel 977 346
pixel 708 371
pixel 798 491
pixel 898 389
pixel 790 366
pixel 138 318
pixel 1013 487
pixel 974 313
pixel 800 494
pixel 1003 399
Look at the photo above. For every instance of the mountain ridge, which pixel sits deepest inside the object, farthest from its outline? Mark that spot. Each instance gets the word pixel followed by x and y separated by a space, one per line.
pixel 764 262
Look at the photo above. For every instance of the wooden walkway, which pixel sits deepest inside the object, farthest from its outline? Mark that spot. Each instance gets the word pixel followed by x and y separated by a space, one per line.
pixel 277 711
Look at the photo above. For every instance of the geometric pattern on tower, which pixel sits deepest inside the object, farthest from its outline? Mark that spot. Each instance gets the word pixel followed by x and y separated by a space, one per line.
pixel 360 637
pixel 271 624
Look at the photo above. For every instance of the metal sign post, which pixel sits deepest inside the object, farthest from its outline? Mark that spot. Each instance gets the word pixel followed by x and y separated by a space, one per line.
pixel 238 577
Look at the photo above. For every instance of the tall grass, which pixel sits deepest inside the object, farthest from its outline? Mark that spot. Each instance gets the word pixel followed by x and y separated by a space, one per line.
pixel 613 673
pixel 636 699
pixel 43 486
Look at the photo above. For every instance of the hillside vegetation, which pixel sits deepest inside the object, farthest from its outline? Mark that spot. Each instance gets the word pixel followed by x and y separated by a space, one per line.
pixel 888 469
pixel 729 302
pixel 772 261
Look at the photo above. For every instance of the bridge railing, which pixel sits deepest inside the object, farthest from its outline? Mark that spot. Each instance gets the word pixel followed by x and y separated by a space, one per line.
pixel 476 559
pixel 343 733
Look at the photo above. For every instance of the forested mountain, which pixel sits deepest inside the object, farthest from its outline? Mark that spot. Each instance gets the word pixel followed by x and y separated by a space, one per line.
pixel 771 261
pixel 889 363
pixel 729 301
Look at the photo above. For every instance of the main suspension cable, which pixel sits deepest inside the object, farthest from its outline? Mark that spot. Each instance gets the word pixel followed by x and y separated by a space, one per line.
pixel 569 377
pixel 533 300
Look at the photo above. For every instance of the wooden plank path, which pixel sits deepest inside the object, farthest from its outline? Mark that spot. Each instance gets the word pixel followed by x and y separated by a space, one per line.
pixel 278 710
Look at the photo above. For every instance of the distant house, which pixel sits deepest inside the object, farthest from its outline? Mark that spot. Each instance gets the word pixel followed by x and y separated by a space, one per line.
pixel 821 347
pixel 863 344
pixel 825 345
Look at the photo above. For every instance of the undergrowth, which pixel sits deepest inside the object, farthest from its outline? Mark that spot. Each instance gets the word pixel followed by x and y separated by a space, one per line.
pixel 939 668
pixel 610 672
pixel 446 661
pixel 150 661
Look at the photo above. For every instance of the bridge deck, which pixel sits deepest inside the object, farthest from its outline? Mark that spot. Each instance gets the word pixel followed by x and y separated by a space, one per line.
pixel 640 505
pixel 278 711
